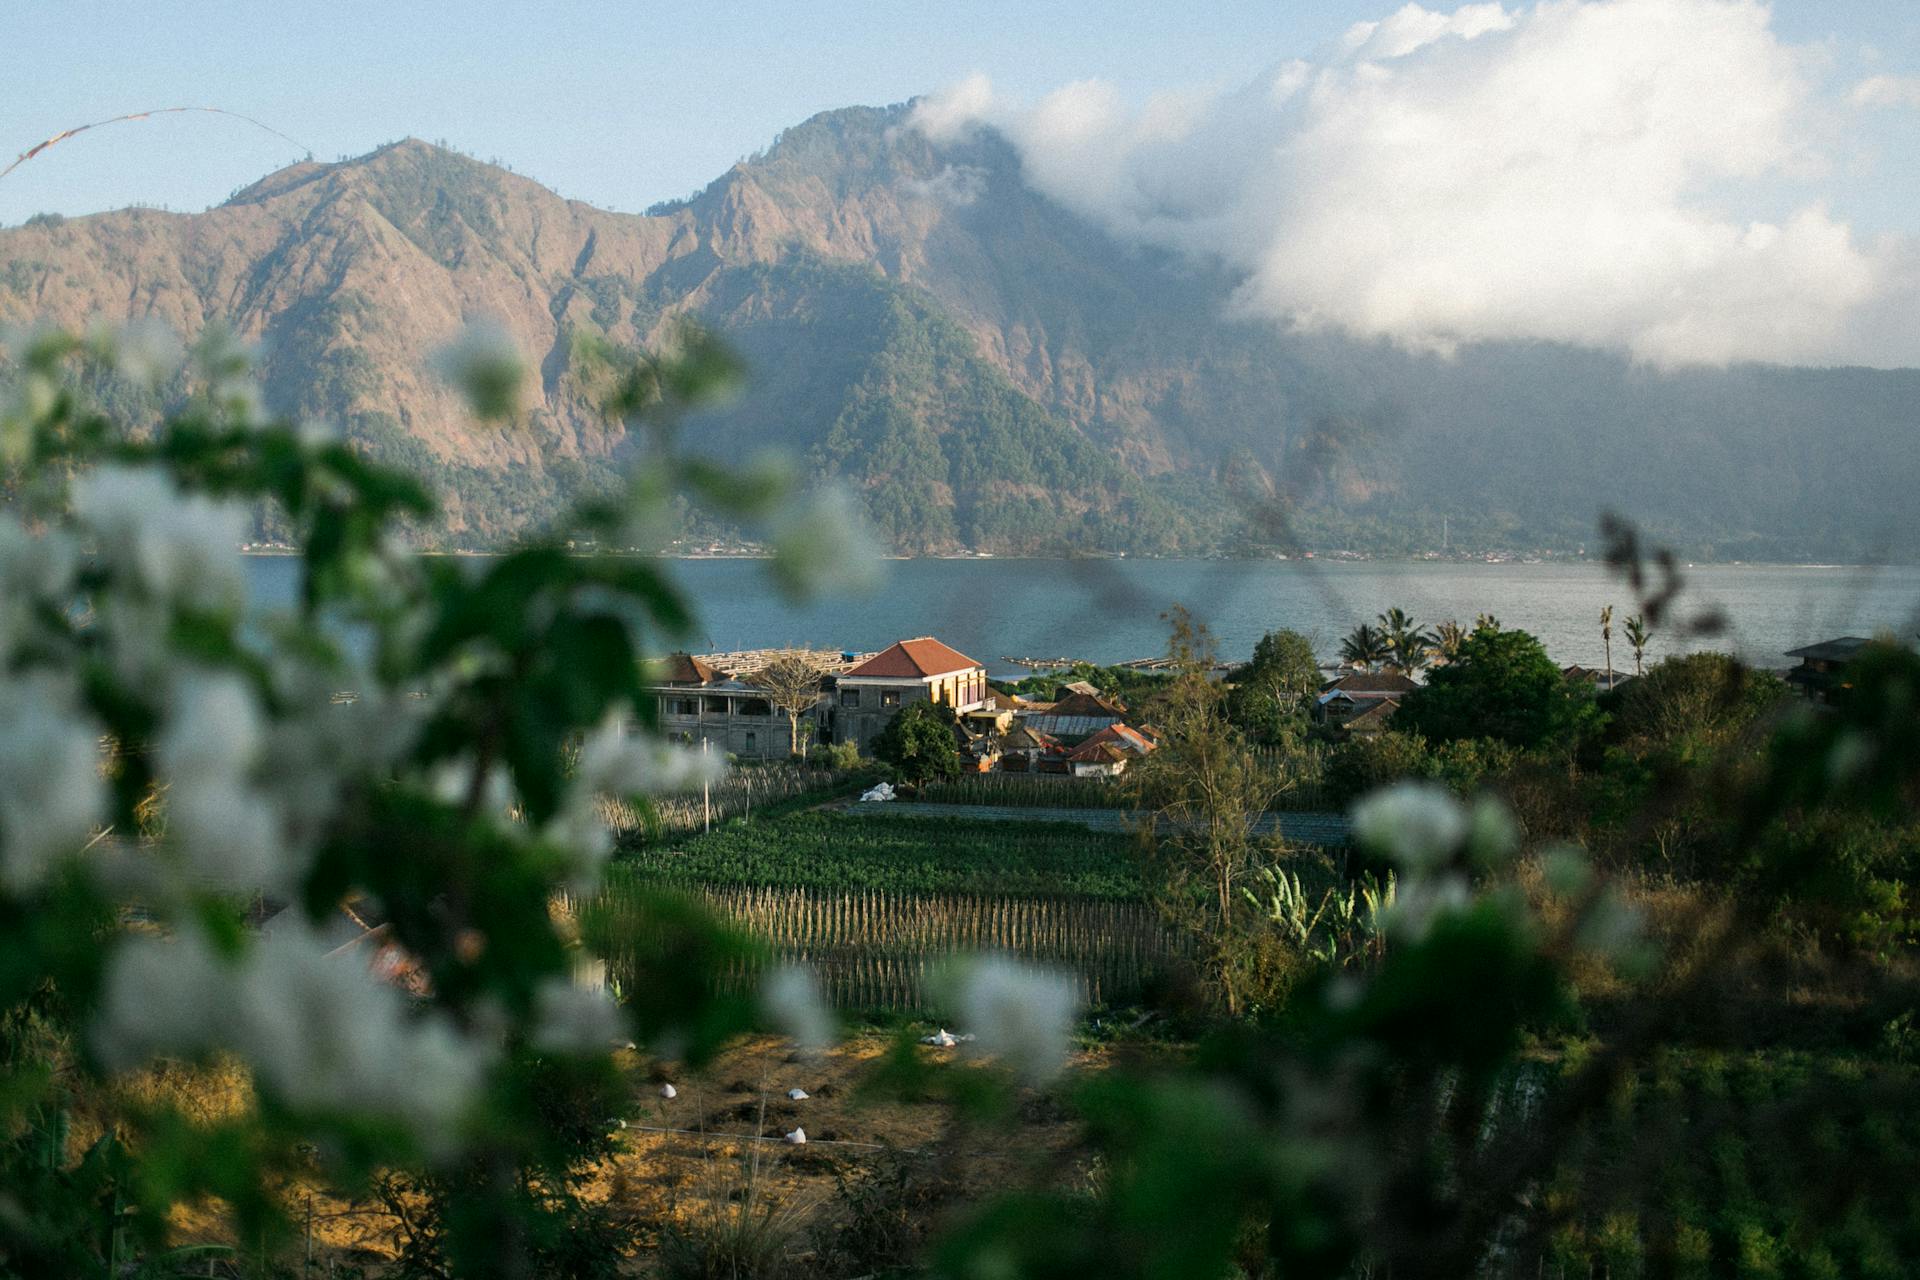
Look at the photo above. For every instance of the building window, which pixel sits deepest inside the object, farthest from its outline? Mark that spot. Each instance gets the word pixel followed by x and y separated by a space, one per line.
pixel 749 744
pixel 889 697
pixel 716 706
pixel 753 707
pixel 686 706
pixel 849 697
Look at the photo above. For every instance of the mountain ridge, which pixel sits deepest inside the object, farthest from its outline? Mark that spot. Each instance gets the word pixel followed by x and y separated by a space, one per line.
pixel 987 369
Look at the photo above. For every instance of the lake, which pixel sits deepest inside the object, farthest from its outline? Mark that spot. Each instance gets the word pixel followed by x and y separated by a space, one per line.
pixel 1109 610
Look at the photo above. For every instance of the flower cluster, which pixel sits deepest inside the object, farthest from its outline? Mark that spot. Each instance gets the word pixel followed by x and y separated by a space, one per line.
pixel 319 1030
pixel 417 744
pixel 1020 1014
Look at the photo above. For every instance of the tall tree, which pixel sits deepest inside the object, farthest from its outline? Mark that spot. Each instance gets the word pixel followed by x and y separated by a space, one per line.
pixel 1638 636
pixel 1606 638
pixel 919 743
pixel 1407 643
pixel 1206 794
pixel 1503 686
pixel 792 683
pixel 1364 647
pixel 1447 639
pixel 1270 693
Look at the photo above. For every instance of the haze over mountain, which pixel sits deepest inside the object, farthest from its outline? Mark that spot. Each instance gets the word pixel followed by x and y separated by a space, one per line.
pixel 985 367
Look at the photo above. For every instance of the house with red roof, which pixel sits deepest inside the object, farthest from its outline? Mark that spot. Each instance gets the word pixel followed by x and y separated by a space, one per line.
pixel 867 696
pixel 1098 760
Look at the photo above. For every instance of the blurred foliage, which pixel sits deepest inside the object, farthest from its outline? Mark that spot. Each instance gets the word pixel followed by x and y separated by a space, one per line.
pixel 449 797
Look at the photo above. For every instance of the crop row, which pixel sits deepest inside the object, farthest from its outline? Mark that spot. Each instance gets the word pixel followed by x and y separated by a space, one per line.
pixel 817 850
pixel 877 951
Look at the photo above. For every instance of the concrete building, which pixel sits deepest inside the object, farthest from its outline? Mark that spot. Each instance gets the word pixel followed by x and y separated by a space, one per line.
pixel 698 703
pixel 867 696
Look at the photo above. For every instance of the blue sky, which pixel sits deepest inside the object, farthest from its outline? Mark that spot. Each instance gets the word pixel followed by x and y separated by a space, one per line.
pixel 1687 181
pixel 623 104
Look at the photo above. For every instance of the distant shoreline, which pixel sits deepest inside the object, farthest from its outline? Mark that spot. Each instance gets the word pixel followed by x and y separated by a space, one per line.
pixel 1316 561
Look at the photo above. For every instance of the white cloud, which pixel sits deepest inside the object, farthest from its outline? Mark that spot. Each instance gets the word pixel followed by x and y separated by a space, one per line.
pixel 945 115
pixel 1887 91
pixel 1569 170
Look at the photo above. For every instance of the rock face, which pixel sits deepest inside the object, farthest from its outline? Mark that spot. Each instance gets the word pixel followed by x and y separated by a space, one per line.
pixel 987 369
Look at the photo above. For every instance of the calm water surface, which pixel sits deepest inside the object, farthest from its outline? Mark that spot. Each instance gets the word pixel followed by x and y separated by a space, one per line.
pixel 1109 610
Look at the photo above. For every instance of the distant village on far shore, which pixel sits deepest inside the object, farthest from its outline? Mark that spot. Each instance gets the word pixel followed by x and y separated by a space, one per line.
pixel 731 702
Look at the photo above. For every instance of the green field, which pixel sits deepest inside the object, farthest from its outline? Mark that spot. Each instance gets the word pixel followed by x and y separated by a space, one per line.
pixel 1776 1164
pixel 835 851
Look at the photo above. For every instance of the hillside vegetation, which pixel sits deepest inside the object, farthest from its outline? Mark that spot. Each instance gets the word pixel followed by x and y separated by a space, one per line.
pixel 984 368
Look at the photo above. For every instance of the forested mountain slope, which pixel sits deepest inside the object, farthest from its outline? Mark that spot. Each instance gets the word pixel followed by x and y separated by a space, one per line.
pixel 987 369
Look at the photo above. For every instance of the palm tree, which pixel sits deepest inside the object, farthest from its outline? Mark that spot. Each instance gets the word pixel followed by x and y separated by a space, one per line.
pixel 1638 636
pixel 1447 639
pixel 1486 622
pixel 1606 638
pixel 1407 644
pixel 1364 648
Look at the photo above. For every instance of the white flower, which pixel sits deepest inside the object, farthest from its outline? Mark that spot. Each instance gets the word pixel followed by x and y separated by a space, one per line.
pixel 1421 900
pixel 580 829
pixel 163 998
pixel 224 825
pixel 308 754
pixel 133 631
pixel 214 732
pixel 314 1024
pixel 571 1018
pixel 229 835
pixel 51 792
pixel 184 548
pixel 1020 1014
pixel 823 546
pixel 452 781
pixel 35 571
pixel 325 1035
pixel 40 565
pixel 617 763
pixel 1417 824
pixel 792 1003
pixel 146 351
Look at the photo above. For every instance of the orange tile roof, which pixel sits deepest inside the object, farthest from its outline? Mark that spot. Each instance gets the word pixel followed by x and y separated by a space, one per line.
pixel 915 659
